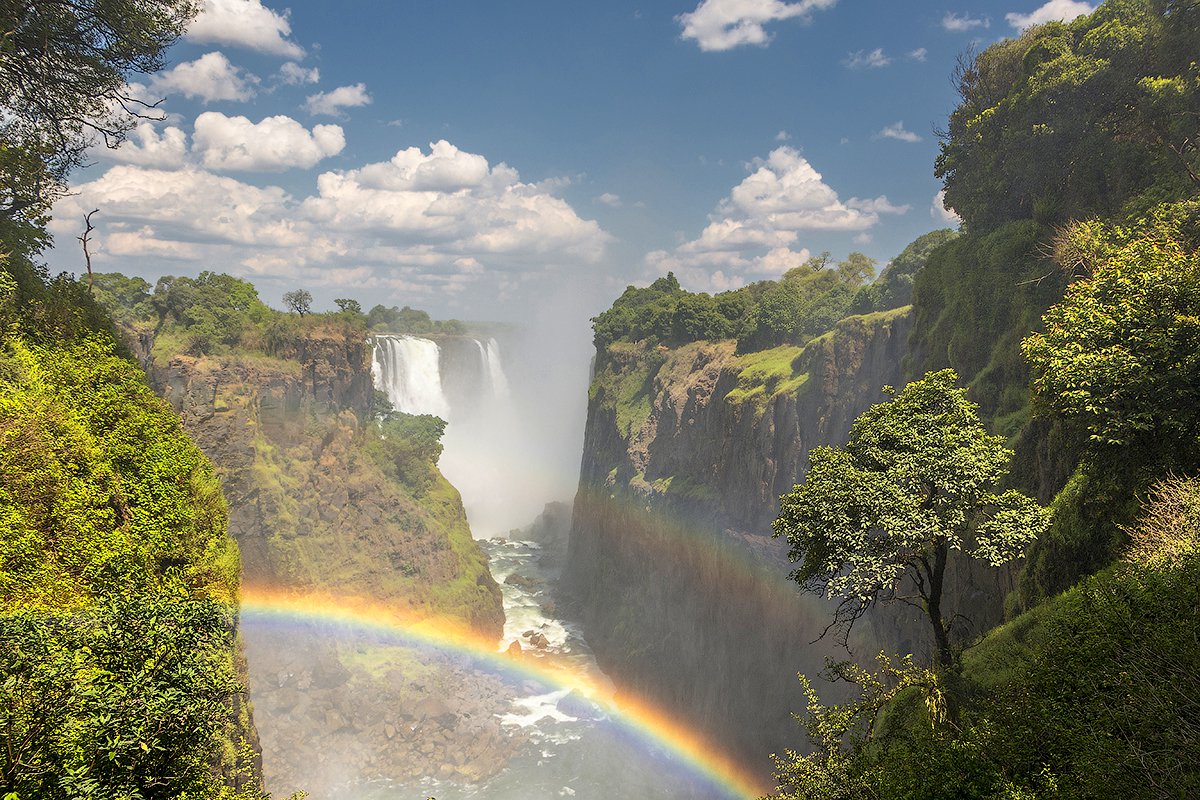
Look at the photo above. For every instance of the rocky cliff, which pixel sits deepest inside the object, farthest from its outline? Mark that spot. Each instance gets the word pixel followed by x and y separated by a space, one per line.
pixel 686 452
pixel 312 509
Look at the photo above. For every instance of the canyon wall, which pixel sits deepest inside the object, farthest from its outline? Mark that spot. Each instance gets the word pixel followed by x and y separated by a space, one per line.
pixel 682 591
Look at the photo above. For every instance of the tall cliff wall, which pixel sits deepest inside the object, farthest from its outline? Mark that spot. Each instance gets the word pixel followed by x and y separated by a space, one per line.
pixel 686 452
pixel 683 593
pixel 312 509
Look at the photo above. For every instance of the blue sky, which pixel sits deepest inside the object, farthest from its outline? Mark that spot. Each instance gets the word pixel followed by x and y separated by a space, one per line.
pixel 477 159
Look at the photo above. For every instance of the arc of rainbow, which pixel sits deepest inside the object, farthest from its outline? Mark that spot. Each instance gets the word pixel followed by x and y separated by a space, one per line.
pixel 701 755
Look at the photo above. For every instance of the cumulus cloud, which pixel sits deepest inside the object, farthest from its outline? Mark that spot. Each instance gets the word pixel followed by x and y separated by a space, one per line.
pixel 862 59
pixel 277 143
pixel 147 147
pixel 940 213
pixel 782 136
pixel 1054 10
pixel 437 220
pixel 609 199
pixel 898 132
pixel 331 103
pixel 245 23
pixel 725 24
pixel 209 78
pixel 755 229
pixel 920 54
pixel 293 74
pixel 958 23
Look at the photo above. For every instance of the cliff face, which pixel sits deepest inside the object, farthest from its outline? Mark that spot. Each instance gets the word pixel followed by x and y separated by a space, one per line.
pixel 312 509
pixel 308 507
pixel 686 452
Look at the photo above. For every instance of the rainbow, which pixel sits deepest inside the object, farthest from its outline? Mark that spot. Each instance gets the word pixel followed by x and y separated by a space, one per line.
pixel 449 635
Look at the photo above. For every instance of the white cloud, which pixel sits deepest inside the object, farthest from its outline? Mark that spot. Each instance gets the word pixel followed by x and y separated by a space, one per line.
pixel 920 54
pixel 146 147
pixel 609 199
pixel 293 74
pixel 245 23
pixel 755 229
pixel 899 132
pixel 957 23
pixel 423 222
pixel 860 59
pixel 726 24
pixel 331 103
pixel 1053 10
pixel 210 77
pixel 941 214
pixel 275 144
pixel 877 205
pixel 782 136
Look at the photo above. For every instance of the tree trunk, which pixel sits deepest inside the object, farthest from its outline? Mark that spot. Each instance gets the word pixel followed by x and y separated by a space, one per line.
pixel 943 657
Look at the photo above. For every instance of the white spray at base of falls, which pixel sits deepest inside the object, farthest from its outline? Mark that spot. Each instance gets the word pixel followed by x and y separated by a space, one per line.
pixel 485 437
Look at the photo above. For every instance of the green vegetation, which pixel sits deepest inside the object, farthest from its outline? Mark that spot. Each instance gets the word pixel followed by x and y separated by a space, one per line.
pixel 1092 694
pixel 804 303
pixel 119 674
pixel 117 577
pixel 916 480
pixel 381 319
pixel 1072 160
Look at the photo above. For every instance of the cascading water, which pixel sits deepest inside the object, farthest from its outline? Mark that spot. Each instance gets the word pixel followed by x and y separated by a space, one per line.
pixel 491 358
pixel 408 369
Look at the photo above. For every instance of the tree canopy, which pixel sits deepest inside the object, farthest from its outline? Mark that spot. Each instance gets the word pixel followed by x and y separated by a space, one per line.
pixel 917 479
pixel 1120 355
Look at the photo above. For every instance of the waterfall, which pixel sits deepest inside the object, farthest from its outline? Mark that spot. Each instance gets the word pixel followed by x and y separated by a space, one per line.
pixel 408 369
pixel 491 358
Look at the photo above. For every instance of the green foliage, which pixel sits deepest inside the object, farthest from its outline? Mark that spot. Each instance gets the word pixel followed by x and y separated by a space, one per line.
pixel 409 320
pixel 298 301
pixel 99 486
pixel 127 299
pixel 1098 116
pixel 348 306
pixel 126 698
pixel 843 735
pixel 917 478
pixel 64 68
pixel 407 447
pixel 1092 694
pixel 805 302
pixel 1120 355
pixel 894 287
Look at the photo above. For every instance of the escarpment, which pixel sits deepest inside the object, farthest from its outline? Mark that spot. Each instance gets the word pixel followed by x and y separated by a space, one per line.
pixel 686 453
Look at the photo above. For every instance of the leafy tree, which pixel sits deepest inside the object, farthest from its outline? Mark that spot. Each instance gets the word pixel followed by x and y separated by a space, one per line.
pixel 916 480
pixel 1120 355
pixel 856 270
pixel 63 72
pixel 298 301
pixel 840 766
pixel 406 446
pixel 1070 120
pixel 348 306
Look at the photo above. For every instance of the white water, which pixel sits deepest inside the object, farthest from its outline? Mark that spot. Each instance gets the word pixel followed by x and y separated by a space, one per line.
pixel 408 369
pixel 486 447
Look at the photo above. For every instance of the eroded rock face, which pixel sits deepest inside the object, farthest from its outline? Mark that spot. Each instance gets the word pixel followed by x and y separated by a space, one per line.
pixel 312 510
pixel 683 592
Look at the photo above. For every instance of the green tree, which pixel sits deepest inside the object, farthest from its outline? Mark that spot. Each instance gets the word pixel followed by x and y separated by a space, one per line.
pixel 65 68
pixel 348 306
pixel 1120 355
pixel 298 301
pixel 916 480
